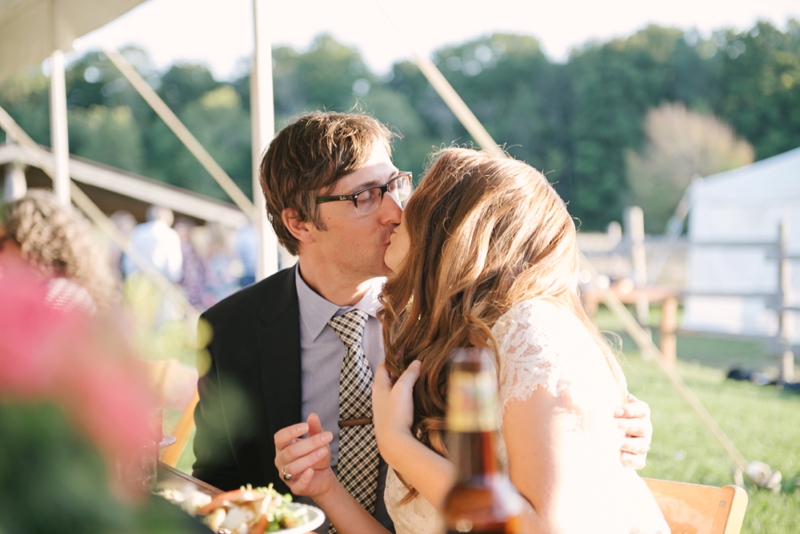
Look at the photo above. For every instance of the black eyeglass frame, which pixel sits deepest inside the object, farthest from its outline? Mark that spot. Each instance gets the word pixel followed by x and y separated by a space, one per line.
pixel 383 189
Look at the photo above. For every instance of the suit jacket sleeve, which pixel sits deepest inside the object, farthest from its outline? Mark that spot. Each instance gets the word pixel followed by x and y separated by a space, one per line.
pixel 249 385
pixel 214 462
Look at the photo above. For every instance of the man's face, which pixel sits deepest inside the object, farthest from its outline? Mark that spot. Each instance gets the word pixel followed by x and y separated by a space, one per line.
pixel 355 244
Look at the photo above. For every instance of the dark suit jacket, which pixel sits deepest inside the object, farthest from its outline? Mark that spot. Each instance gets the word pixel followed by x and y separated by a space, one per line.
pixel 252 388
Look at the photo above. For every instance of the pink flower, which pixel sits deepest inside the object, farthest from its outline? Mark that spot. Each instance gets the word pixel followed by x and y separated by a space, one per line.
pixel 30 334
pixel 81 363
pixel 111 402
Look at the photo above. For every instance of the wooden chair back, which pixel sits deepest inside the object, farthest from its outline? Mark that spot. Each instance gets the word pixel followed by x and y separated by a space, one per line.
pixel 696 509
pixel 175 384
pixel 182 432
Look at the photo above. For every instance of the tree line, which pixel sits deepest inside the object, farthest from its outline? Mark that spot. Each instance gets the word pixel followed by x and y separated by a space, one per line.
pixel 578 121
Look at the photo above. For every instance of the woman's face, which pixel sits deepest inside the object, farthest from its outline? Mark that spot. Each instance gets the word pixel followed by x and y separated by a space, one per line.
pixel 398 246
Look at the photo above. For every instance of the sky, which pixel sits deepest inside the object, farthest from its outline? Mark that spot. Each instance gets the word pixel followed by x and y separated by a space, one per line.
pixel 219 33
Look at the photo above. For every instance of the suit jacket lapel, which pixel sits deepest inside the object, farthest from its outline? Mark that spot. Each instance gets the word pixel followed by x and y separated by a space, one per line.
pixel 279 355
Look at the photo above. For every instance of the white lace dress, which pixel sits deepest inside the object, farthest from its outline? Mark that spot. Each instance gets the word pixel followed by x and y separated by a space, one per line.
pixel 544 346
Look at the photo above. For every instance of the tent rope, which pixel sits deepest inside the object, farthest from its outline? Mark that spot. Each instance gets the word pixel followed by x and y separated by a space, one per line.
pixel 649 349
pixel 182 132
pixel 448 94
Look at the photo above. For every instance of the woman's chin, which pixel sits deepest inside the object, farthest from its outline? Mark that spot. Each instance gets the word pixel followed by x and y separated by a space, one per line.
pixel 392 265
pixel 389 261
pixel 391 268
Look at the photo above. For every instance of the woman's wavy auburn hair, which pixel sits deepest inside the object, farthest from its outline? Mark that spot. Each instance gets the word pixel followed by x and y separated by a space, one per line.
pixel 486 233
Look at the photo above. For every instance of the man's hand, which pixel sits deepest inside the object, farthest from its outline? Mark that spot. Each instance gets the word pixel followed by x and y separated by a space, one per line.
pixel 306 460
pixel 634 419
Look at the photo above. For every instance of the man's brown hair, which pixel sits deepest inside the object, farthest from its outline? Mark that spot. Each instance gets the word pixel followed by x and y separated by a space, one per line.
pixel 311 154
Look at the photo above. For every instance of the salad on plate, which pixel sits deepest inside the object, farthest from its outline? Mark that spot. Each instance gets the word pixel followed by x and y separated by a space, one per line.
pixel 244 511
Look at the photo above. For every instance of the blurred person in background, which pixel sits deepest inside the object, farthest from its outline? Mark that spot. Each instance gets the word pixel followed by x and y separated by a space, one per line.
pixel 160 246
pixel 125 222
pixel 222 269
pixel 56 241
pixel 157 242
pixel 194 270
pixel 245 246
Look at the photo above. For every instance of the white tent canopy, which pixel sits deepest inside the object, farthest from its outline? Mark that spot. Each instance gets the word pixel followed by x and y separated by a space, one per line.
pixel 31 29
pixel 745 205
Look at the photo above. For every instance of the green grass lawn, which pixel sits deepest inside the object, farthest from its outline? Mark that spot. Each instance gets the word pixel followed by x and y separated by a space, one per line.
pixel 763 422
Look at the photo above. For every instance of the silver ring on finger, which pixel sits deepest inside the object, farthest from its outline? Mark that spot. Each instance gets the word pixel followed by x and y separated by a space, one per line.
pixel 286 476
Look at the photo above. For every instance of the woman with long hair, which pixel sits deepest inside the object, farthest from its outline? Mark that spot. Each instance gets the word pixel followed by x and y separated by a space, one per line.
pixel 486 256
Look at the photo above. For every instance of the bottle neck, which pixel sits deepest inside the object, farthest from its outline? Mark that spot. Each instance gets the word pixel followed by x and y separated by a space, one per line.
pixel 472 420
pixel 474 454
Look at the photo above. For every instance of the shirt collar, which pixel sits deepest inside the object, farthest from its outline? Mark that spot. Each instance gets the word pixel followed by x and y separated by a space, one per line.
pixel 316 310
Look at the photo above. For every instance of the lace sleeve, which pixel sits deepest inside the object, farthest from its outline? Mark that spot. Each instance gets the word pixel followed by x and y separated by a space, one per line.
pixel 532 338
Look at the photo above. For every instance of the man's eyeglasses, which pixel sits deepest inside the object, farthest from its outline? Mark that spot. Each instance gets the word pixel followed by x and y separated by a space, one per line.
pixel 369 199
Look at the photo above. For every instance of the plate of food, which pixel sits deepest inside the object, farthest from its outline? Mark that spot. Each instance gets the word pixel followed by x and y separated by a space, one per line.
pixel 246 510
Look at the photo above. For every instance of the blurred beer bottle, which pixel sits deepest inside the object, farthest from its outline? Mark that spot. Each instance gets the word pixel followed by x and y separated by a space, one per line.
pixel 483 499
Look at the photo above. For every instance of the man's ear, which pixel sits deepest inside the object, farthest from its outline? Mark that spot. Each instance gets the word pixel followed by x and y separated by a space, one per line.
pixel 299 229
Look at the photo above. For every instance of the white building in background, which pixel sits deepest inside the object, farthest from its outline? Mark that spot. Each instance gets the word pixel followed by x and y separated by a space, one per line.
pixel 745 205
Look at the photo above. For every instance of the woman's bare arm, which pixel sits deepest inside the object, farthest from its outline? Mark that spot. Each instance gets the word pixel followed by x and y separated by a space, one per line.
pixel 393 411
pixel 538 454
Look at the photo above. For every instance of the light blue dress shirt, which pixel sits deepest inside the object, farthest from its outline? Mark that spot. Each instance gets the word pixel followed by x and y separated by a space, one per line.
pixel 322 356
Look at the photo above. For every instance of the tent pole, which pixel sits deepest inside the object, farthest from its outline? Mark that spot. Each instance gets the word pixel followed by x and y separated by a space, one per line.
pixel 16 184
pixel 59 138
pixel 262 116
pixel 784 302
pixel 181 131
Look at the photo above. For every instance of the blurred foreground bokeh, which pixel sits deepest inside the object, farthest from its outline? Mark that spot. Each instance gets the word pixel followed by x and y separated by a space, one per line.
pixel 75 411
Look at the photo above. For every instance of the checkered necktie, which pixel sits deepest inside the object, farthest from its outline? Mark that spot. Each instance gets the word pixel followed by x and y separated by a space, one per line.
pixel 358 450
